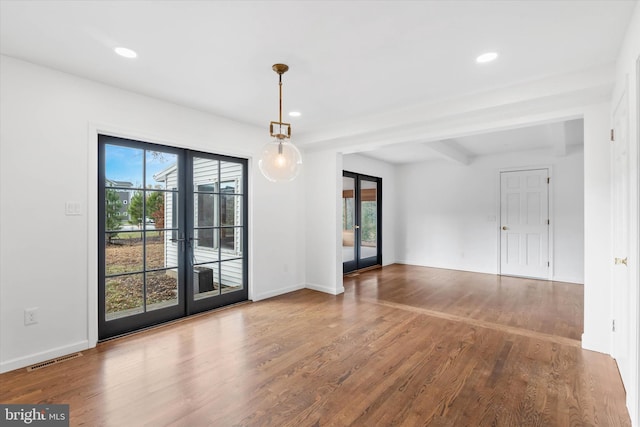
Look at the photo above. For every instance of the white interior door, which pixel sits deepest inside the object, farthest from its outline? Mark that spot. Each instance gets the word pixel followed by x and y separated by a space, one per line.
pixel 620 227
pixel 524 220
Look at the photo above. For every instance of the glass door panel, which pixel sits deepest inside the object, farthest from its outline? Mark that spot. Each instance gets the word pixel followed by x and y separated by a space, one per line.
pixel 218 236
pixel 205 246
pixel 348 222
pixel 162 289
pixel 368 198
pixel 172 232
pixel 124 296
pixel 140 282
pixel 231 276
pixel 361 221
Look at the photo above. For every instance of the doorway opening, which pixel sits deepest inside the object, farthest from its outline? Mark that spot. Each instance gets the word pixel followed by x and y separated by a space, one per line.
pixel 172 233
pixel 524 223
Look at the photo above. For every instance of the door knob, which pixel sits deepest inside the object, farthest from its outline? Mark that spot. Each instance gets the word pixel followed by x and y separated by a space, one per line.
pixel 618 261
pixel 504 227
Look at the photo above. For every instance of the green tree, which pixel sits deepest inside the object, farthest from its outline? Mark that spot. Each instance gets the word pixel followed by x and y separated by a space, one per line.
pixel 112 212
pixel 369 222
pixel 155 208
pixel 135 208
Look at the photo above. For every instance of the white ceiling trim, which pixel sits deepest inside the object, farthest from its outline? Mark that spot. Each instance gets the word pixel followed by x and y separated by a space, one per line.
pixel 469 115
pixel 506 117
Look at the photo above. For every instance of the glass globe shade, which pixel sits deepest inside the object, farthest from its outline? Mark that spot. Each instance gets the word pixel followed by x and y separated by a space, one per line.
pixel 280 160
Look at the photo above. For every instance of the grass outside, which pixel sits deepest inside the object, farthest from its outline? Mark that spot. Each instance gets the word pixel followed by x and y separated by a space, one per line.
pixel 126 256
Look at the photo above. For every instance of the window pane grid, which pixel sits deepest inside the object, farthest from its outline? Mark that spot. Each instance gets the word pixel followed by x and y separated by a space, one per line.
pixel 139 193
pixel 144 240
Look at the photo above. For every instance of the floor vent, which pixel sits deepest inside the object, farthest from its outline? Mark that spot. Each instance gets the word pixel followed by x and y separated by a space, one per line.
pixel 53 361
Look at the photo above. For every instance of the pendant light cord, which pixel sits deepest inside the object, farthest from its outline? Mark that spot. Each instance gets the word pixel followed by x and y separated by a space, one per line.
pixel 280 84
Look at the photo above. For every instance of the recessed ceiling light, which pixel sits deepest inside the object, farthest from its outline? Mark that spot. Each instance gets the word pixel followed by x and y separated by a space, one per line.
pixel 294 113
pixel 127 53
pixel 486 57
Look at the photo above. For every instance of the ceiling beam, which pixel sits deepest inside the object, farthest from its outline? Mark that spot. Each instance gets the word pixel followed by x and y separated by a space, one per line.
pixel 451 150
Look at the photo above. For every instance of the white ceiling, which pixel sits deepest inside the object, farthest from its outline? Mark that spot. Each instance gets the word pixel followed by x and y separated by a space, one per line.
pixel 558 137
pixel 347 59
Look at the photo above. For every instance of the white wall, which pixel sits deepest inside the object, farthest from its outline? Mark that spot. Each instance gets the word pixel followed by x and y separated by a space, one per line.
pixel 48 156
pixel 448 213
pixel 627 75
pixel 323 189
pixel 278 252
pixel 597 226
pixel 583 94
pixel 447 216
pixel 568 217
pixel 594 109
pixel 367 166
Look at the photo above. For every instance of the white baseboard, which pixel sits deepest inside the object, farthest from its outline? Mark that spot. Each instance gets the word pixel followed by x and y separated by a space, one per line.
pixel 449 267
pixel 276 292
pixel 590 344
pixel 574 280
pixel 325 289
pixel 22 362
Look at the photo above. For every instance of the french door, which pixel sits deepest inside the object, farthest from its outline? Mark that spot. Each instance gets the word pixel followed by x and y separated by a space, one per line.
pixel 172 233
pixel 361 221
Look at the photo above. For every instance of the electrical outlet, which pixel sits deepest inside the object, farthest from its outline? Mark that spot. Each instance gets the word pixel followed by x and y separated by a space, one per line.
pixel 30 316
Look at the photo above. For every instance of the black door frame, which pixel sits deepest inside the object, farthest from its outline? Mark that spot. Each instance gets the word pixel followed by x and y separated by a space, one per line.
pixel 187 304
pixel 359 263
pixel 196 306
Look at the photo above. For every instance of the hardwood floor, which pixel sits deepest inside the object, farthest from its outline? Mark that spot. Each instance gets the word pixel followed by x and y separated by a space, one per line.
pixel 402 346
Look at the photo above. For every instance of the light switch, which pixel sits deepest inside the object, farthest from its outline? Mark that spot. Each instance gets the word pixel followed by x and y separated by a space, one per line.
pixel 72 208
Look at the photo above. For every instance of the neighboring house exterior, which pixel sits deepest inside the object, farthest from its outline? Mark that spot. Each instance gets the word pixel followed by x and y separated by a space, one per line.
pixel 217 216
pixel 122 189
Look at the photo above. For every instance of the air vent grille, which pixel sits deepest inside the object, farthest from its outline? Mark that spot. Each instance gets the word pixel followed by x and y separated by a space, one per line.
pixel 53 361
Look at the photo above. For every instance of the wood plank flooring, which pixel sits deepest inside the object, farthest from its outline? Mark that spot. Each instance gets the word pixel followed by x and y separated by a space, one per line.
pixel 403 345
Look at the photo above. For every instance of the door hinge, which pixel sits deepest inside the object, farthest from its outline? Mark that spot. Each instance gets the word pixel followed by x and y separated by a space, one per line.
pixel 613 325
pixel 612 135
pixel 548 180
pixel 548 264
pixel 548 222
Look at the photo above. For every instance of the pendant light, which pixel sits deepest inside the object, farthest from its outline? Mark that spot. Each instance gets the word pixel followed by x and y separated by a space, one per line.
pixel 280 159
